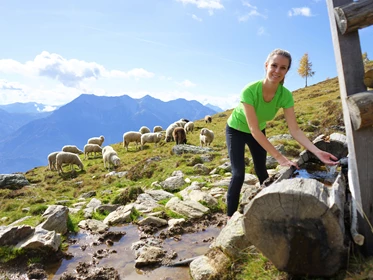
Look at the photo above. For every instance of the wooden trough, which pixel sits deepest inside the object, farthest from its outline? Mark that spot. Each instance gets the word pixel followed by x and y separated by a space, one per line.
pixel 298 223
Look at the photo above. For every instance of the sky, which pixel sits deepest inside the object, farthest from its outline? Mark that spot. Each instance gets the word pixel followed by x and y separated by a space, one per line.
pixel 204 50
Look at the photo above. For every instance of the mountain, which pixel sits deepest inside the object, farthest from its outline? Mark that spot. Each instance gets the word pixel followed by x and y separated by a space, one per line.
pixel 28 107
pixel 88 116
pixel 215 108
pixel 10 122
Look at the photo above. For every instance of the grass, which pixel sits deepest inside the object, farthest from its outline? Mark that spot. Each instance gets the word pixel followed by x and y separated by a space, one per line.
pixel 318 110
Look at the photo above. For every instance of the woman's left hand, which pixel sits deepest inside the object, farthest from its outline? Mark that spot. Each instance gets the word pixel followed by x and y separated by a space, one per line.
pixel 327 158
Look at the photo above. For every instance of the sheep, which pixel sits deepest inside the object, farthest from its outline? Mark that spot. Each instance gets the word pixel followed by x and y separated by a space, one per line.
pixel 107 148
pixel 70 158
pixel 208 119
pixel 169 131
pixel 52 160
pixel 184 120
pixel 179 135
pixel 110 157
pixel 91 148
pixel 157 128
pixel 180 123
pixel 131 136
pixel 150 138
pixel 96 140
pixel 72 149
pixel 144 130
pixel 189 126
pixel 206 136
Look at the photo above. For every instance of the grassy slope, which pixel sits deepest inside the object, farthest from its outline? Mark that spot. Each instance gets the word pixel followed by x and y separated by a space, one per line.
pixel 317 107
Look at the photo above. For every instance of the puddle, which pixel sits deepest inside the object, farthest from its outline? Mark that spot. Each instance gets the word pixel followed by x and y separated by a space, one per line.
pixel 190 245
pixel 324 174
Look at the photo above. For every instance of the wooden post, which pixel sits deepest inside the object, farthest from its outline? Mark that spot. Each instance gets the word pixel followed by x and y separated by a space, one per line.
pixel 354 16
pixel 360 106
pixel 350 68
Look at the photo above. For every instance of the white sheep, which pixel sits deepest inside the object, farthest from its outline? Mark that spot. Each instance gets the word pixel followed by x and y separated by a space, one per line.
pixel 180 123
pixel 96 140
pixel 69 158
pixel 169 131
pixel 111 158
pixel 157 128
pixel 208 119
pixel 72 149
pixel 52 160
pixel 144 130
pixel 131 136
pixel 189 127
pixel 91 148
pixel 150 138
pixel 206 137
pixel 107 148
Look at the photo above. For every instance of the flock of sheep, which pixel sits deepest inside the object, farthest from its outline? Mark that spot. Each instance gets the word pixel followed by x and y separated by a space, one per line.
pixel 176 131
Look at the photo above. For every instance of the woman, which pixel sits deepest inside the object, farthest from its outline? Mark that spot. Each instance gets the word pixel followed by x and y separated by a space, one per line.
pixel 260 102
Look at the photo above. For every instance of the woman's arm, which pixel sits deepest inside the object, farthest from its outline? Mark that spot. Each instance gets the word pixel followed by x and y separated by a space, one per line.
pixel 298 135
pixel 252 121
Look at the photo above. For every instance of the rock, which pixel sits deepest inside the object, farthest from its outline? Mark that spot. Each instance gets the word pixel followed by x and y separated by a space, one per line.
pixel 10 236
pixel 41 239
pixel 189 208
pixel 210 267
pixel 120 216
pixel 159 195
pixel 183 149
pixel 55 218
pixel 153 221
pixel 13 181
pixel 232 238
pixel 173 183
pixel 93 225
pixel 149 255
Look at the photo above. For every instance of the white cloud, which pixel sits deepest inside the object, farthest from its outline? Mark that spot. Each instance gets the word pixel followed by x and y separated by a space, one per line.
pixel 5 85
pixel 187 83
pixel 253 12
pixel 204 4
pixel 196 18
pixel 69 72
pixel 261 31
pixel 304 11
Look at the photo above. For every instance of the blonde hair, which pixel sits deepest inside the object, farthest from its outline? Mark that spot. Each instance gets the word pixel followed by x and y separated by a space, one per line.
pixel 282 52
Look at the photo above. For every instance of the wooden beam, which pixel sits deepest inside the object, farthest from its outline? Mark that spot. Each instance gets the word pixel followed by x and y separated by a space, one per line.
pixel 368 78
pixel 354 16
pixel 350 69
pixel 360 106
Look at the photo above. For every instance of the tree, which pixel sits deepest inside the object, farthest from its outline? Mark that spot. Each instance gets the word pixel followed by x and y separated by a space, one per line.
pixel 365 58
pixel 305 67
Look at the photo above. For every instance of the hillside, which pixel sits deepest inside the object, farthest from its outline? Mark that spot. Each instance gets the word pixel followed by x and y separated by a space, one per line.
pixel 318 111
pixel 85 117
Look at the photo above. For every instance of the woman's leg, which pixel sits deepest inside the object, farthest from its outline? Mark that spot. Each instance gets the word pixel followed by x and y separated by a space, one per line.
pixel 259 156
pixel 236 150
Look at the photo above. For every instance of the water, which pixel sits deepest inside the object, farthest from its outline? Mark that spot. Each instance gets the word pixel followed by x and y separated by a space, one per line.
pixel 324 174
pixel 123 261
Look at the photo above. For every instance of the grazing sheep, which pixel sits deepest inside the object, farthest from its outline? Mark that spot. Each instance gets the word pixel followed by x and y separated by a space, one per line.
pixel 107 148
pixel 180 123
pixel 189 126
pixel 169 131
pixel 96 140
pixel 157 128
pixel 179 135
pixel 208 119
pixel 91 148
pixel 144 130
pixel 206 136
pixel 52 160
pixel 72 149
pixel 131 136
pixel 110 157
pixel 67 157
pixel 150 138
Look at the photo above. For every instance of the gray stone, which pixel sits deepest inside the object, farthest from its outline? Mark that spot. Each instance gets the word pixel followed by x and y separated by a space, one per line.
pixel 13 181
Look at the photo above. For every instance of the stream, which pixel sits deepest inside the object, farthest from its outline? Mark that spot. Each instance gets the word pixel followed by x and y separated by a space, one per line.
pixel 123 260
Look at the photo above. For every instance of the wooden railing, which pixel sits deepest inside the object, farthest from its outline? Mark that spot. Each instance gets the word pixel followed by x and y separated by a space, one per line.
pixel 346 18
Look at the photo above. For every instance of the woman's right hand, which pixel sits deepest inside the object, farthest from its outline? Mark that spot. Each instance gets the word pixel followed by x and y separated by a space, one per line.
pixel 284 161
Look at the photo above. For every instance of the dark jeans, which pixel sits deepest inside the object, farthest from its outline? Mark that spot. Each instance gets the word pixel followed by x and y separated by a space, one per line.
pixel 236 141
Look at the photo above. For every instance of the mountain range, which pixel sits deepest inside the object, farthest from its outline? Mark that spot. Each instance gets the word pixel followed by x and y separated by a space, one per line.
pixel 27 145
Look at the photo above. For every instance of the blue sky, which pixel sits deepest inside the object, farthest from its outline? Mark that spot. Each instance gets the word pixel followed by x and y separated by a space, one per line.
pixel 206 50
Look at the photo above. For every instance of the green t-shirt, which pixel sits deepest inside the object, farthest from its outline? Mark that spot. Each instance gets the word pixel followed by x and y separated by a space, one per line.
pixel 265 111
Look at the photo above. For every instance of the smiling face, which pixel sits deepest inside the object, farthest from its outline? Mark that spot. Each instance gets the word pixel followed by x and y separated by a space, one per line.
pixel 276 68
